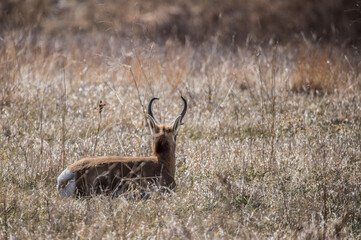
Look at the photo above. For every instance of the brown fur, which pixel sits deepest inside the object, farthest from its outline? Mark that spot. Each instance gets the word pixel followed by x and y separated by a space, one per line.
pixel 165 154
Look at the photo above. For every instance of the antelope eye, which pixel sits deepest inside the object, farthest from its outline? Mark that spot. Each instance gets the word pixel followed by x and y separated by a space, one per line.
pixel 156 130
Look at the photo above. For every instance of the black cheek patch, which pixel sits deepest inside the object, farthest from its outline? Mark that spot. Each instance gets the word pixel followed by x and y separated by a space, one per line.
pixel 156 129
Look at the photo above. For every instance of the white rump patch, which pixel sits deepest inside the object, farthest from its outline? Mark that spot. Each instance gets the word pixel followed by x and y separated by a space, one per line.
pixel 66 183
pixel 68 190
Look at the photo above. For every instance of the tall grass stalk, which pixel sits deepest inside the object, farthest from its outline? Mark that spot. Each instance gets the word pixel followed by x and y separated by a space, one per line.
pixel 63 119
pixel 100 110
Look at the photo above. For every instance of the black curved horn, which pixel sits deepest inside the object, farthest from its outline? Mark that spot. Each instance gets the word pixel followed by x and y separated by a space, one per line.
pixel 150 107
pixel 184 109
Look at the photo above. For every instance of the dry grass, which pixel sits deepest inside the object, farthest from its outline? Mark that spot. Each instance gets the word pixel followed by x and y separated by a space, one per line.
pixel 255 159
pixel 322 71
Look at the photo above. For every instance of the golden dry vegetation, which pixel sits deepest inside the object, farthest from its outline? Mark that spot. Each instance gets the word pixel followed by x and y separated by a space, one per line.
pixel 270 148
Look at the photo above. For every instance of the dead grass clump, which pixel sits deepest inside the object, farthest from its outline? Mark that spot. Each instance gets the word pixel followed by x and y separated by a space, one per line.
pixel 320 71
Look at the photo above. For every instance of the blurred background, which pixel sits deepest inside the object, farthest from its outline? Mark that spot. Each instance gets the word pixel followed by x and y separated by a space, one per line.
pixel 229 22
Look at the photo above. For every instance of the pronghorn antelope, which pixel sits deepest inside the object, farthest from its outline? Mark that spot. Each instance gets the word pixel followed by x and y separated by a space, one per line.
pixel 114 175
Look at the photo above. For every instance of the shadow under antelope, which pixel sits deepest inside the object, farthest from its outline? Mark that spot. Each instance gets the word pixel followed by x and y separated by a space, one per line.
pixel 115 175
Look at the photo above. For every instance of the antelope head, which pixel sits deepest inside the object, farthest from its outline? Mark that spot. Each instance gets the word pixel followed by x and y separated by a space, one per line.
pixel 164 138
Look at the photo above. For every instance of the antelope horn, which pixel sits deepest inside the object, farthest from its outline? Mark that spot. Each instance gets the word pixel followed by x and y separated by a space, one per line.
pixel 150 108
pixel 184 109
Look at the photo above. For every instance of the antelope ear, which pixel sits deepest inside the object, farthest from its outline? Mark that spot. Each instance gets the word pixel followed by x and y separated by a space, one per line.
pixel 153 123
pixel 176 123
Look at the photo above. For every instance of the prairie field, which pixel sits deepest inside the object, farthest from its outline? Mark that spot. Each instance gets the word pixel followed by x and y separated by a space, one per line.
pixel 270 147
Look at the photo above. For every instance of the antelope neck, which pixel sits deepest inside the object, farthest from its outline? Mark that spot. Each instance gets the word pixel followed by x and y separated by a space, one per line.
pixel 168 159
